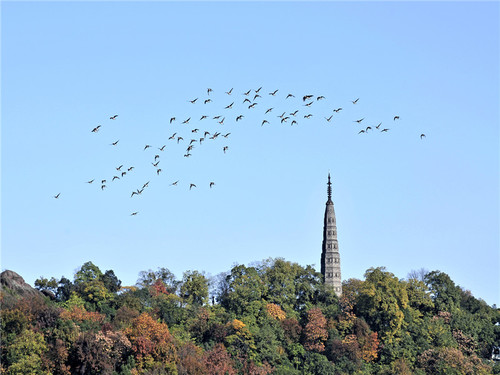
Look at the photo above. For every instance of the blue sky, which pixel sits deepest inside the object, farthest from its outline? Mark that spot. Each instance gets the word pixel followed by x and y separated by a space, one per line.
pixel 401 202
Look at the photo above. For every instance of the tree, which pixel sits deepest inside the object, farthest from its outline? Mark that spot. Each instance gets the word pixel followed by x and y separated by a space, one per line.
pixel 151 342
pixel 315 333
pixel 445 294
pixel 218 361
pixel 25 354
pixel 381 302
pixel 194 288
pixel 110 281
pixel 147 278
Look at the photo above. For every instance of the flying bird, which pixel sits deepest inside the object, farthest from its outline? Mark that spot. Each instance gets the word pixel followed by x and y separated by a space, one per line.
pixel 96 129
pixel 115 143
pixel 124 173
pixel 290 96
pixel 103 182
pixel 128 170
pixel 229 106
pixel 145 185
pixel 89 182
pixel 209 90
pixel 294 113
pixel 247 93
pixel 226 135
pixel 172 119
pixel 222 121
pixel 361 131
pixel 191 186
pixel 239 117
pixel 203 117
pixel 118 168
pixel 193 101
pixel 186 121
pixel 337 110
pixel 161 148
pixel 355 101
pixel 229 92
pixel 321 97
pixel 134 213
pixel 308 116
pixel 384 130
pixel 102 187
pixel 174 183
pixel 308 104
pixel 273 93
pixel 115 177
pixel 179 139
pixel 263 122
pixel 158 171
pixel 256 96
pixel 422 136
pixel 225 148
pixel 396 118
pixel 306 97
pixel 378 126
pixel 269 110
pixel 257 91
pixel 359 121
pixel 246 100
pixel 207 101
pixel 147 146
pixel 293 123
pixel 172 136
pixel 212 184
pixel 113 117
pixel 57 196
pixel 195 130
pixel 328 118
pixel 156 164
pixel 206 133
pixel 252 105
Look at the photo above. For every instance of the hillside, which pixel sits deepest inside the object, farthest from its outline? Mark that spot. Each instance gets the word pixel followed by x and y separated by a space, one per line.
pixel 276 317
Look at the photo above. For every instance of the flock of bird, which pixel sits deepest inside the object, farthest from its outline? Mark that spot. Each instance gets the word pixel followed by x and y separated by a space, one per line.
pixel 231 112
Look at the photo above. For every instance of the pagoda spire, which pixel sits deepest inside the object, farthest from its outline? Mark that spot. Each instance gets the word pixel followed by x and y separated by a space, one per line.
pixel 329 188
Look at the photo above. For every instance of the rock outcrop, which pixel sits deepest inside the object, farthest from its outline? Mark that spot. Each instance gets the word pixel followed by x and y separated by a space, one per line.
pixel 13 287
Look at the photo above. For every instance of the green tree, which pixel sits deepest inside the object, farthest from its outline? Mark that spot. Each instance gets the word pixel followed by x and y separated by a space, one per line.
pixel 194 288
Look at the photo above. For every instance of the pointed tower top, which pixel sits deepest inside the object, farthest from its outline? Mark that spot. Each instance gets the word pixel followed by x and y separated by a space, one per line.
pixel 329 189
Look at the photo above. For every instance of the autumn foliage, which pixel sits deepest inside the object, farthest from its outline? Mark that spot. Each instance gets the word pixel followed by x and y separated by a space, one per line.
pixel 275 317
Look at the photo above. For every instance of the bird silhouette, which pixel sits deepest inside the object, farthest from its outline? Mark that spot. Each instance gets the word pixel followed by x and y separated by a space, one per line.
pixel 294 113
pixel 239 117
pixel 193 101
pixel 359 121
pixel 203 117
pixel 225 148
pixel 57 195
pixel 338 109
pixel 207 101
pixel 115 177
pixel 274 92
pixel 96 129
pixel 247 93
pixel 174 183
pixel 172 119
pixel 191 186
pixel 229 92
pixel 293 123
pixel 147 146
pixel 361 131
pixel 161 148
pixel 257 91
pixel 209 90
pixel 422 136
pixel 396 118
pixel 290 96
pixel 172 136
pixel 246 101
pixel 115 143
pixel 328 118
pixel 145 185
pixel 308 104
pixel 321 97
pixel 186 121
pixel 156 164
pixel 226 135
pixel 179 139
pixel 252 105
pixel 134 213
pixel 384 130
pixel 355 101
pixel 269 110
pixel 264 122
pixel 89 182
pixel 113 117
pixel 128 170
pixel 118 168
pixel 229 106
pixel 222 121
pixel 212 184
pixel 158 171
pixel 102 187
pixel 195 130
pixel 124 173
pixel 306 97
pixel 308 116
pixel 378 126
pixel 256 96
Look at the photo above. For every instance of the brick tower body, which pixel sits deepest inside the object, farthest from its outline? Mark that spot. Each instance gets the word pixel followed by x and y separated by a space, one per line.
pixel 330 256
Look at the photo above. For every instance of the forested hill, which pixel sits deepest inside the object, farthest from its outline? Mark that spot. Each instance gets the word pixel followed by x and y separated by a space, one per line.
pixel 275 317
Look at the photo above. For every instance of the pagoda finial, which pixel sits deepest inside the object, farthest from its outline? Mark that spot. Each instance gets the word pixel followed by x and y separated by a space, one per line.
pixel 329 188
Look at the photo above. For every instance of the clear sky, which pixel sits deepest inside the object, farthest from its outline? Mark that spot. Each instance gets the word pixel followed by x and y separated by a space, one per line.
pixel 401 201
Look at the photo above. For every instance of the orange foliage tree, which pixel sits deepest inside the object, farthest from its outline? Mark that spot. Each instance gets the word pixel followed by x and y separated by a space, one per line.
pixel 151 342
pixel 315 333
